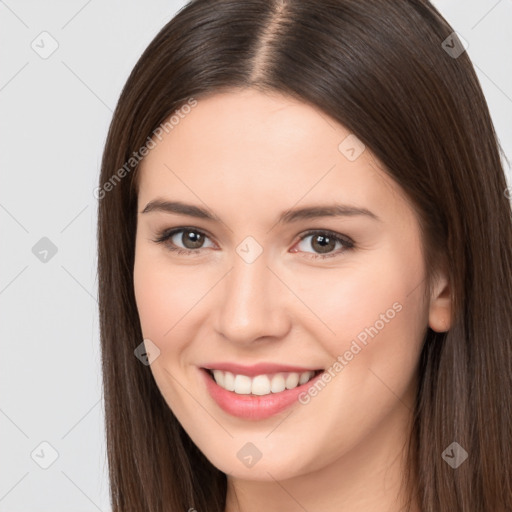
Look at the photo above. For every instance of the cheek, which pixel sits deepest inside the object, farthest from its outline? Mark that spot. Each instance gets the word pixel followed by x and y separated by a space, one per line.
pixel 160 295
pixel 163 293
pixel 154 297
pixel 374 309
pixel 172 302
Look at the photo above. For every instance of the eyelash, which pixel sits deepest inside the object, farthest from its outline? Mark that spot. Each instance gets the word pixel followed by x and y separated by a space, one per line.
pixel 165 236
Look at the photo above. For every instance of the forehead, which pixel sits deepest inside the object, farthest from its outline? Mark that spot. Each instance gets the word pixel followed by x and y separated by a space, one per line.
pixel 245 147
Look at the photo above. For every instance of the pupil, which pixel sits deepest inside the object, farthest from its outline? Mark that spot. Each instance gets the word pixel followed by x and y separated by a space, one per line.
pixel 192 240
pixel 324 243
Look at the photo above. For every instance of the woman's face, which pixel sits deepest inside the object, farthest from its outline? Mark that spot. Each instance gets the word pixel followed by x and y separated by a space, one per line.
pixel 293 252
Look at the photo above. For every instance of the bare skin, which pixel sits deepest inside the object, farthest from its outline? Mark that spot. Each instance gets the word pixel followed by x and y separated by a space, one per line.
pixel 247 157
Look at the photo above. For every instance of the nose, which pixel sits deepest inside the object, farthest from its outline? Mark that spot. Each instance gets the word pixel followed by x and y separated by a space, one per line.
pixel 252 303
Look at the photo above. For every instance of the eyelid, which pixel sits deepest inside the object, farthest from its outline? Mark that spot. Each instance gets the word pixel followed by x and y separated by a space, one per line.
pixel 332 234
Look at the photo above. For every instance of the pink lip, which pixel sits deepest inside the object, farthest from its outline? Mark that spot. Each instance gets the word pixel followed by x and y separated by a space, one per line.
pixel 253 407
pixel 256 369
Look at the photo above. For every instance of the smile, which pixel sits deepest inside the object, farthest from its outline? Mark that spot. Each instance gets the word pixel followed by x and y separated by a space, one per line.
pixel 258 392
pixel 261 384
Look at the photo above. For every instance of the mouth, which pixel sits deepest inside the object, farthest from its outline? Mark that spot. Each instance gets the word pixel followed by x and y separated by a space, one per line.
pixel 263 384
pixel 259 396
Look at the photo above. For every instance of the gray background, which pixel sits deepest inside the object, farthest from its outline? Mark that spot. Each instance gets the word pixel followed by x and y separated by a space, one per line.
pixel 55 113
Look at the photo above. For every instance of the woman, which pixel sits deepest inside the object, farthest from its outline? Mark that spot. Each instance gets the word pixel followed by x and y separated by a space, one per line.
pixel 305 266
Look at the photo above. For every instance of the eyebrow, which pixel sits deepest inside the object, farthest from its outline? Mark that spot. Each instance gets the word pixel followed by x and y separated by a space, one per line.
pixel 288 216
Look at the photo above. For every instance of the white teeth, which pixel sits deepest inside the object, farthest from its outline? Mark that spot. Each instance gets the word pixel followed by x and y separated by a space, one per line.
pixel 292 380
pixel 304 377
pixel 277 384
pixel 242 385
pixel 219 377
pixel 261 384
pixel 229 381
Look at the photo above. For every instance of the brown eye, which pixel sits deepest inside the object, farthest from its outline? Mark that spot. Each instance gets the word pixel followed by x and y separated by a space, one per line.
pixel 324 243
pixel 184 240
pixel 192 239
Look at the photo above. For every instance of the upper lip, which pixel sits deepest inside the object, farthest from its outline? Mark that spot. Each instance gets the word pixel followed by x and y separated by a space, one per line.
pixel 256 369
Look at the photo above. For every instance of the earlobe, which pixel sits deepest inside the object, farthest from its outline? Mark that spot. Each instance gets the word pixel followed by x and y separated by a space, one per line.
pixel 440 310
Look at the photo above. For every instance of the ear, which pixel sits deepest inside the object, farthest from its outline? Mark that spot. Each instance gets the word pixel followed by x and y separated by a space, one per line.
pixel 440 309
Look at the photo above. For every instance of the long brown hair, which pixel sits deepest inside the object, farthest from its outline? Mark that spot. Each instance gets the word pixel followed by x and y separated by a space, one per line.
pixel 385 71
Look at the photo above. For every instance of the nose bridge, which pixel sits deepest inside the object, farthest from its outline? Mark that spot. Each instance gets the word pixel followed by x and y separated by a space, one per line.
pixel 251 305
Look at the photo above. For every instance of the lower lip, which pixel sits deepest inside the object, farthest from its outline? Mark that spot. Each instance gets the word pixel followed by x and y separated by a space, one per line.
pixel 254 407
